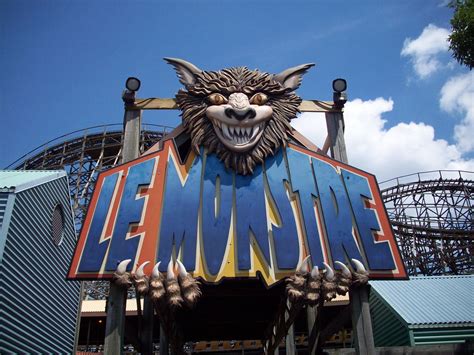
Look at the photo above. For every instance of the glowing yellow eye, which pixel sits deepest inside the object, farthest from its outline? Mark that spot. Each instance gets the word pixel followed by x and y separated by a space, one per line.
pixel 259 99
pixel 217 99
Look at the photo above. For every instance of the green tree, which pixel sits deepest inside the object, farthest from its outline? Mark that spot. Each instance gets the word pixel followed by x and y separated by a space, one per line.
pixel 461 40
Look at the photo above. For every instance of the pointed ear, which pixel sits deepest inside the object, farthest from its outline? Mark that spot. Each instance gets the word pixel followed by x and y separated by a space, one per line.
pixel 186 71
pixel 291 78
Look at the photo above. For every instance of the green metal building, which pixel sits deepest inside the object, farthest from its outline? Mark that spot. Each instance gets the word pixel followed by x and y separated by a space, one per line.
pixel 38 307
pixel 423 311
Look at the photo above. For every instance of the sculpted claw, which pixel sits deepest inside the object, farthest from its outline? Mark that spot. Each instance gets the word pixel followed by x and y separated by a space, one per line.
pixel 170 271
pixel 189 286
pixel 360 268
pixel 304 265
pixel 122 267
pixel 173 290
pixel 181 269
pixel 156 270
pixel 345 271
pixel 313 287
pixel 121 276
pixel 140 280
pixel 329 283
pixel 361 276
pixel 157 287
pixel 139 272
pixel 329 272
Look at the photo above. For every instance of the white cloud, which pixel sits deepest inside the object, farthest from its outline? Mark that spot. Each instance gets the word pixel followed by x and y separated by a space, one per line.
pixel 386 152
pixel 424 51
pixel 457 96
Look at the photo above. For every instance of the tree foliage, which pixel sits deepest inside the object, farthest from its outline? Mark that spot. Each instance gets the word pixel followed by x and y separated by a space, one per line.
pixel 461 40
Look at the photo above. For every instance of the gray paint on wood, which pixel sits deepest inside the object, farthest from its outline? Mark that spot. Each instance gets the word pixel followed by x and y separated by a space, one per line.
pixel 335 126
pixel 362 323
pixel 290 341
pixel 131 135
pixel 311 313
pixel 147 327
pixel 115 324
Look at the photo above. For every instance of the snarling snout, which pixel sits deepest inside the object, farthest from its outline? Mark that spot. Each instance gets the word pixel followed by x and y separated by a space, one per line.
pixel 238 123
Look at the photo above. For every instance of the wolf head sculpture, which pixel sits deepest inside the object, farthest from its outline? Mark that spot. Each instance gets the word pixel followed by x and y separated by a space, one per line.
pixel 241 115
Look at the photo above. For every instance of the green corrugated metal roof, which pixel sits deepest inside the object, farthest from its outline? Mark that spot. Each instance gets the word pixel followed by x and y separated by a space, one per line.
pixel 430 300
pixel 19 180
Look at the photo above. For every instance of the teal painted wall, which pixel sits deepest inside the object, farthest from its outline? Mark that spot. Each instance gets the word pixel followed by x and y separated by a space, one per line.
pixel 388 329
pixel 38 307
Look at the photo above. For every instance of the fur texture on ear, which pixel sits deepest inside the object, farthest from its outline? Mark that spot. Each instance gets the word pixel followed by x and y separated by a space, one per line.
pixel 291 78
pixel 186 71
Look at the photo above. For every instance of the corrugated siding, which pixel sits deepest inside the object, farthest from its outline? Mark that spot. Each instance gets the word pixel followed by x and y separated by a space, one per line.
pixel 453 335
pixel 430 299
pixel 38 307
pixel 388 330
pixel 3 205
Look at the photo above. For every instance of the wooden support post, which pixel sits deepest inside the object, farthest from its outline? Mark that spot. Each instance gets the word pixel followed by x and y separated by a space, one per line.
pixel 164 345
pixel 359 296
pixel 146 338
pixel 335 126
pixel 361 321
pixel 290 341
pixel 290 335
pixel 131 135
pixel 311 314
pixel 115 323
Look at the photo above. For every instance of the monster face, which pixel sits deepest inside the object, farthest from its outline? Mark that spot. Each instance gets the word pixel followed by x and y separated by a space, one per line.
pixel 241 115
pixel 239 122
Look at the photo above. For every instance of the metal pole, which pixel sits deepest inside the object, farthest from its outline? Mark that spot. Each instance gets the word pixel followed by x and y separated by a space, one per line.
pixel 116 302
pixel 359 296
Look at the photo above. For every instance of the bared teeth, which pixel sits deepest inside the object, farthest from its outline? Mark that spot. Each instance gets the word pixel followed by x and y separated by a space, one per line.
pixel 237 134
pixel 225 130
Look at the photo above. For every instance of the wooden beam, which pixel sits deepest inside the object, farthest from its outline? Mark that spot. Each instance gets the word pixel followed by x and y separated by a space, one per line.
pixel 318 106
pixel 153 103
pixel 335 324
pixel 359 296
pixel 146 337
pixel 115 322
pixel 361 321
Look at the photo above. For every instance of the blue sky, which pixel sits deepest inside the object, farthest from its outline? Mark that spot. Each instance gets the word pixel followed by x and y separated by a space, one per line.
pixel 64 64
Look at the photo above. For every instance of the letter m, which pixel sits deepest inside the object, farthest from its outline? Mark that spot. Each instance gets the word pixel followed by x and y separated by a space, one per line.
pixel 179 214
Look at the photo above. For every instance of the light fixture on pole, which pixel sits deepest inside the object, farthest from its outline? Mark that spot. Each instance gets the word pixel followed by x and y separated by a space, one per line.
pixel 339 86
pixel 132 84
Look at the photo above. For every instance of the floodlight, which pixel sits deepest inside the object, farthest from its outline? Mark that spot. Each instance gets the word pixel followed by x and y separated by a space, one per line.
pixel 339 85
pixel 132 84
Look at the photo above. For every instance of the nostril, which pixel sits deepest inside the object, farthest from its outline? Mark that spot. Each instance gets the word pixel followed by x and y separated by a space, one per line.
pixel 251 112
pixel 229 112
pixel 241 114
